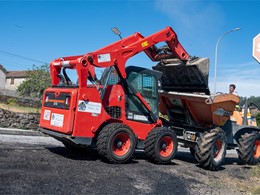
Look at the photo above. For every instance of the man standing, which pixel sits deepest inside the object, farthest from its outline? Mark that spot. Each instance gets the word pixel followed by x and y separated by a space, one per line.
pixel 232 88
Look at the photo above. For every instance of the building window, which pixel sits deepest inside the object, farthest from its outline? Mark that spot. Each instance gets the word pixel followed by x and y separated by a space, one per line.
pixel 12 81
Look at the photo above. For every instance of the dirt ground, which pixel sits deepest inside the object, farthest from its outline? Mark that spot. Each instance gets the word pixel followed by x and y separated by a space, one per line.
pixel 41 165
pixel 231 178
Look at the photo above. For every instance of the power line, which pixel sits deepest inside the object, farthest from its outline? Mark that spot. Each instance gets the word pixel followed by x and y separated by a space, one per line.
pixel 12 54
pixel 15 63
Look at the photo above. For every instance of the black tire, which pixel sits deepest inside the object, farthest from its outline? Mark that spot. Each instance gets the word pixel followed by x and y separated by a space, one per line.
pixel 161 145
pixel 210 150
pixel 116 143
pixel 249 148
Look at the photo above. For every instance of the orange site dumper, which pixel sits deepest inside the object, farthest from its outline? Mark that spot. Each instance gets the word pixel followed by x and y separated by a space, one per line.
pixel 202 121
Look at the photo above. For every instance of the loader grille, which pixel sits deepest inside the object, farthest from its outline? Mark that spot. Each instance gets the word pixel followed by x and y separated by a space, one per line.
pixel 114 111
pixel 60 101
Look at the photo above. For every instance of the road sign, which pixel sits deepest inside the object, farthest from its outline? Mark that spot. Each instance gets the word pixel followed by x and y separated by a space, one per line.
pixel 256 47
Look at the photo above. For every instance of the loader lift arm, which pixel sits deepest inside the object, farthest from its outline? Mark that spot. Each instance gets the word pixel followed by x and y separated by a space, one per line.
pixel 117 54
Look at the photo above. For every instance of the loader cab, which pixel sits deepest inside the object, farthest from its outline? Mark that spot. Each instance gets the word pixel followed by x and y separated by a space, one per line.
pixel 142 80
pixel 146 82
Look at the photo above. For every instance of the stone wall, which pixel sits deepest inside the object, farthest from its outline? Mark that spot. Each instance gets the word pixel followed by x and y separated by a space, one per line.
pixel 8 92
pixel 20 101
pixel 18 120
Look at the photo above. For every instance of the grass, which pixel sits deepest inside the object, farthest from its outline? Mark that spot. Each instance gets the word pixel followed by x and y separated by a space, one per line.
pixel 256 191
pixel 245 186
pixel 256 171
pixel 19 109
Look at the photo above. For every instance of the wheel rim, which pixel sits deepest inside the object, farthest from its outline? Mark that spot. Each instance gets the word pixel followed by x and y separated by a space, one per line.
pixel 121 144
pixel 217 149
pixel 166 146
pixel 257 149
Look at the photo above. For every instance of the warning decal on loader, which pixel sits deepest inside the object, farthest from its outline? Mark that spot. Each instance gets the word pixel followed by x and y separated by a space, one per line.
pixel 57 120
pixel 47 115
pixel 103 58
pixel 91 107
pixel 144 44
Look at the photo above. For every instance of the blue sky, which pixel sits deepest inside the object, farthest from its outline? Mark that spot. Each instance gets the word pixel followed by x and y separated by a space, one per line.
pixel 45 30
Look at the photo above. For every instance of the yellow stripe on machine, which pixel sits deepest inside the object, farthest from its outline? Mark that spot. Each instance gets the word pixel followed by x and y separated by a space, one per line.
pixel 144 44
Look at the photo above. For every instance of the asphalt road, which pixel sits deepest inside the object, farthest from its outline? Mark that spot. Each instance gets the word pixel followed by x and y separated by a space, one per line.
pixel 41 165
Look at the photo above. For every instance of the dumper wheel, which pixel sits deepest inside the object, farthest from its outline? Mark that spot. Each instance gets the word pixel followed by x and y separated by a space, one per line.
pixel 116 143
pixel 210 150
pixel 161 145
pixel 249 148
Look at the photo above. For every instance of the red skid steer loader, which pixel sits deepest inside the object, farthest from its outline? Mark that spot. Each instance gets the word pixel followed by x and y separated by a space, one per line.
pixel 120 112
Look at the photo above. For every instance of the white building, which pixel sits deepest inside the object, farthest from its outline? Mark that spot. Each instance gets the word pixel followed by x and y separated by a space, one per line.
pixel 10 80
pixel 2 77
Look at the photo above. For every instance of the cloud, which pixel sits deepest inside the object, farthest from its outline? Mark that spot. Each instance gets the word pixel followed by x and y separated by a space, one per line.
pixel 192 15
pixel 249 70
pixel 245 76
pixel 245 88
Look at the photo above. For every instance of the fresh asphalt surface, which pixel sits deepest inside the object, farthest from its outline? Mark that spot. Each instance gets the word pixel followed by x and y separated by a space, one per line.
pixel 31 163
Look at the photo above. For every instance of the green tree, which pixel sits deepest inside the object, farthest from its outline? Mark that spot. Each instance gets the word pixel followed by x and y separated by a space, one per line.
pixel 250 100
pixel 37 81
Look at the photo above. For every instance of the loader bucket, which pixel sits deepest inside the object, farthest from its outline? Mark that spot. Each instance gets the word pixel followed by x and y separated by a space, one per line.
pixel 191 76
